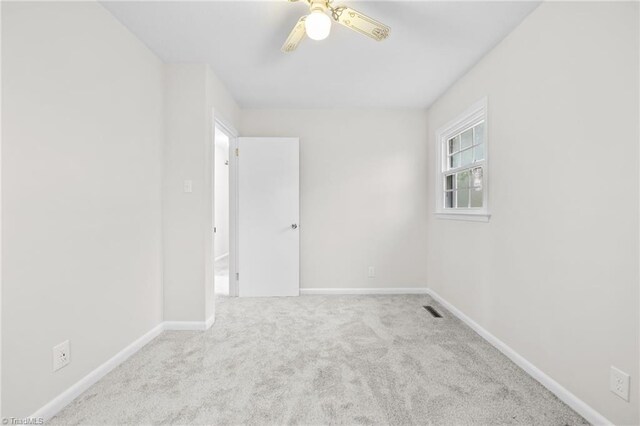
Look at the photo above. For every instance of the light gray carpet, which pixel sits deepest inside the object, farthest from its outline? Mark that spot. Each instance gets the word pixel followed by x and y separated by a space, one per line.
pixel 321 360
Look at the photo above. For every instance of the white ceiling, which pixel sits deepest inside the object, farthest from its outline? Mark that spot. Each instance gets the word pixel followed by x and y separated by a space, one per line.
pixel 431 45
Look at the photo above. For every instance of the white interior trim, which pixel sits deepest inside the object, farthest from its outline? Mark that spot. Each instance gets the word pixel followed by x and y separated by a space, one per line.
pixel 556 388
pixel 209 322
pixel 58 403
pixel 185 325
pixel 233 134
pixel 54 406
pixel 234 261
pixel 65 398
pixel 473 115
pixel 225 125
pixel 366 290
pixel 473 217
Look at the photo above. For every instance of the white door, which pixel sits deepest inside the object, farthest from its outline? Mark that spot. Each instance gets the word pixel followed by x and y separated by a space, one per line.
pixel 268 217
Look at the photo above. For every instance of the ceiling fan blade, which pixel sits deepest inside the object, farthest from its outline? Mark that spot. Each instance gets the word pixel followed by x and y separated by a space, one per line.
pixel 295 36
pixel 361 23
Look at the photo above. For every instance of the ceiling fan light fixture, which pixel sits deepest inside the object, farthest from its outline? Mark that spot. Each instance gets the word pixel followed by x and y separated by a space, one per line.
pixel 317 25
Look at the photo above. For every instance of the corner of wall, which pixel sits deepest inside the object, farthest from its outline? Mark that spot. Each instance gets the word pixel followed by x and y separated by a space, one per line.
pixel 193 96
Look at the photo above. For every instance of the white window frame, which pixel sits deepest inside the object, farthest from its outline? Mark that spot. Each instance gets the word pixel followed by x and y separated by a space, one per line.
pixel 475 114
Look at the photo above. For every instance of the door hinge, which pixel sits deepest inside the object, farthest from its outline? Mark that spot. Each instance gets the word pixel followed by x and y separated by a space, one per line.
pixel 237 276
pixel 215 229
pixel 237 152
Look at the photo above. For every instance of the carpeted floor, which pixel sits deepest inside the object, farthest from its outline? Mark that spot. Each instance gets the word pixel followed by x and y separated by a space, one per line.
pixel 315 360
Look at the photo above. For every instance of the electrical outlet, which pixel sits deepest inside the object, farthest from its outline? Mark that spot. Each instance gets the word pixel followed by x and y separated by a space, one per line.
pixel 619 383
pixel 61 355
pixel 188 186
pixel 372 272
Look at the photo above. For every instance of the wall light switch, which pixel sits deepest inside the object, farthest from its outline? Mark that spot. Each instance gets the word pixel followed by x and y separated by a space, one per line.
pixel 188 186
pixel 619 383
pixel 61 355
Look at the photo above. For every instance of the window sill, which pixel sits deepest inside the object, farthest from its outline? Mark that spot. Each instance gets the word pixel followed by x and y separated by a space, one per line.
pixel 470 217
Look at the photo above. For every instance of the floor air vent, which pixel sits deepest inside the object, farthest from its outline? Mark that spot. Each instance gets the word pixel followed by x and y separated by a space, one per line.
pixel 432 311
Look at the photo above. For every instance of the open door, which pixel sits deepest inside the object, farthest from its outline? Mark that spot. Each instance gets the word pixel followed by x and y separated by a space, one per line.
pixel 268 217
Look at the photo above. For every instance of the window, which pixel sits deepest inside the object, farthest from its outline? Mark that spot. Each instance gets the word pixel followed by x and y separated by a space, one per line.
pixel 462 166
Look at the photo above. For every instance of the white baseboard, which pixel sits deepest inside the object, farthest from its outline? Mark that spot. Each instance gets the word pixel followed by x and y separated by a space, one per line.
pixel 184 325
pixel 62 400
pixel 556 388
pixel 208 323
pixel 188 325
pixel 367 290
pixel 222 256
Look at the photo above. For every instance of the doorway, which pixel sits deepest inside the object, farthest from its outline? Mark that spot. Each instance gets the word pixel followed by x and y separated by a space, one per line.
pixel 261 227
pixel 221 214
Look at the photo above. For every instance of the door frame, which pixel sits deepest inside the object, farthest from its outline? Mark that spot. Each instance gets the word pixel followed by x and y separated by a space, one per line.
pixel 233 135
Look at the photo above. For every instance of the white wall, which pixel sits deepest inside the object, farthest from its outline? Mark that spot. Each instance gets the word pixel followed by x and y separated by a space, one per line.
pixel 554 274
pixel 184 233
pixel 81 244
pixel 221 193
pixel 193 96
pixel 81 171
pixel 362 193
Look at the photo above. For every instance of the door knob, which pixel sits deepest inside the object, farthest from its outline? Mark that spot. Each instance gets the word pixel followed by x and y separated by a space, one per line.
pixel 294 226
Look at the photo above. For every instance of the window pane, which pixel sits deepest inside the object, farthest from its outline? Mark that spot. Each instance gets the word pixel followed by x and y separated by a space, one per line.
pixel 467 157
pixel 476 197
pixel 454 161
pixel 478 152
pixel 478 134
pixel 462 198
pixel 462 179
pixel 454 145
pixel 448 199
pixel 476 177
pixel 466 139
pixel 449 182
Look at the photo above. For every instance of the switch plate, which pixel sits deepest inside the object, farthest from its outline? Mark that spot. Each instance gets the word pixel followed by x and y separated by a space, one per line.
pixel 61 355
pixel 188 186
pixel 619 383
pixel 372 272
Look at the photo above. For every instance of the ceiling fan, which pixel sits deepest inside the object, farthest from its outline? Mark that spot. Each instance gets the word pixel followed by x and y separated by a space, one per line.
pixel 317 24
